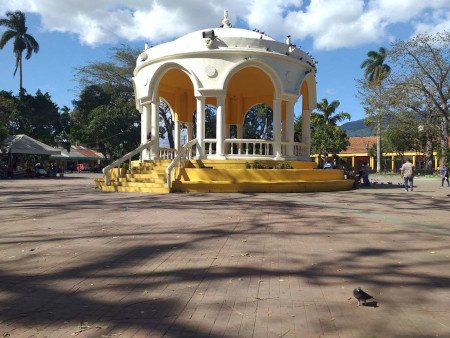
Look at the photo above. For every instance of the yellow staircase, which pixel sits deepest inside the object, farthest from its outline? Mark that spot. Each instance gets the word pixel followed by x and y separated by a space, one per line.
pixel 148 177
pixel 225 176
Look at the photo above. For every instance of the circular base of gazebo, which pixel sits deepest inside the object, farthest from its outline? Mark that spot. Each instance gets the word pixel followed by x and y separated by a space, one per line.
pixel 258 176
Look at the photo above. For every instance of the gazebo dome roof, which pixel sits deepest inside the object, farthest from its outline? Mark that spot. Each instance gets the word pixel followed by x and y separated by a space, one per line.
pixel 227 33
pixel 226 39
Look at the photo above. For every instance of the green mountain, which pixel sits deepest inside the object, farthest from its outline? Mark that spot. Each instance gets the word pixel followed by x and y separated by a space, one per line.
pixel 357 128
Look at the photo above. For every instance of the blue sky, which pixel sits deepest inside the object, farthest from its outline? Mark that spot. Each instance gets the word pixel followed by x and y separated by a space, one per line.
pixel 338 33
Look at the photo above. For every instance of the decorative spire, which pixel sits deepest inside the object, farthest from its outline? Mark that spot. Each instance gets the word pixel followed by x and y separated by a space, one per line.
pixel 225 22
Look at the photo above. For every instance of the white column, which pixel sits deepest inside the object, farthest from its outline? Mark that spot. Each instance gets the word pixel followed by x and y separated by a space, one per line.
pixel 289 125
pixel 277 128
pixel 220 125
pixel 201 126
pixel 145 122
pixel 189 131
pixel 306 131
pixel 154 153
pixel 176 134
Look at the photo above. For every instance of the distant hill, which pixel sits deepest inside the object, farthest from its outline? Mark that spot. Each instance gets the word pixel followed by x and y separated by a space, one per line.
pixel 357 128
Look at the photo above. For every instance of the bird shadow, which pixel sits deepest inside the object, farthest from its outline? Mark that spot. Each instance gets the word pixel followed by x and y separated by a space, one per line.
pixel 372 303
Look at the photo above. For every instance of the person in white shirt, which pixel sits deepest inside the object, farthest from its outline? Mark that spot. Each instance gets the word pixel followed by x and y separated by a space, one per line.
pixel 407 173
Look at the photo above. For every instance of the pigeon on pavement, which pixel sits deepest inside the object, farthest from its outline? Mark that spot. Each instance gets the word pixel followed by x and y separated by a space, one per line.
pixel 360 295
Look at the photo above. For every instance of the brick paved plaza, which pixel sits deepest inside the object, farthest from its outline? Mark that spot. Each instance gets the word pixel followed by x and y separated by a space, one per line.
pixel 78 262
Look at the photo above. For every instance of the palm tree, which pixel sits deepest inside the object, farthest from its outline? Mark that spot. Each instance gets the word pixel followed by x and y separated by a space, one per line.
pixel 328 115
pixel 17 31
pixel 375 71
pixel 324 125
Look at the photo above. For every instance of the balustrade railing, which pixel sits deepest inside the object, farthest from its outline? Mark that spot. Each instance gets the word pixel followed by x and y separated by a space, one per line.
pixel 299 149
pixel 210 146
pixel 250 147
pixel 186 152
pixel 167 153
pixel 128 157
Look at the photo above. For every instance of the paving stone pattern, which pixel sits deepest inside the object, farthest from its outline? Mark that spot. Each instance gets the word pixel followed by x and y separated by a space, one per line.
pixel 78 262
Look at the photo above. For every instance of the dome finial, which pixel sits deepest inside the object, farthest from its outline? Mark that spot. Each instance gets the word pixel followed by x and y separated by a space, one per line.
pixel 225 22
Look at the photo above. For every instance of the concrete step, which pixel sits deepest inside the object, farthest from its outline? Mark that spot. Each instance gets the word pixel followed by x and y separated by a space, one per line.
pixel 143 180
pixel 248 187
pixel 135 189
pixel 149 175
pixel 141 184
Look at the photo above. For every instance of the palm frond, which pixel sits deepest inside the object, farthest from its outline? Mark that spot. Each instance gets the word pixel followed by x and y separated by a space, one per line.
pixel 373 55
pixel 31 45
pixel 6 36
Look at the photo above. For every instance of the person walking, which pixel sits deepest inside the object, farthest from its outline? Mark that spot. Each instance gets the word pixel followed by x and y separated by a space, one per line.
pixel 444 173
pixel 407 173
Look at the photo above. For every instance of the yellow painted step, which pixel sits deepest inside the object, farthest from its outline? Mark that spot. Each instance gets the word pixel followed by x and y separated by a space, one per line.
pixel 248 187
pixel 142 184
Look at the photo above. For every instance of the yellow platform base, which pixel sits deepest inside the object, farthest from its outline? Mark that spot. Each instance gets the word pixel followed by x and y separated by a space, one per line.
pixel 227 176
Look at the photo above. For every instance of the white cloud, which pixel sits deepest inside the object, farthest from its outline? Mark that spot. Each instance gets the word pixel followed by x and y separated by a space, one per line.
pixel 439 22
pixel 331 24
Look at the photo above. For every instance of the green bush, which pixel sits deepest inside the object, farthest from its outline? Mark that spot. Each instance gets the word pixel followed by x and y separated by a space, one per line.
pixel 261 165
pixel 284 165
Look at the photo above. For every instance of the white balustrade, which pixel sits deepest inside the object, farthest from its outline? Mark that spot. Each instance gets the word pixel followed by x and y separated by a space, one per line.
pixel 167 153
pixel 250 147
pixel 210 146
pixel 299 149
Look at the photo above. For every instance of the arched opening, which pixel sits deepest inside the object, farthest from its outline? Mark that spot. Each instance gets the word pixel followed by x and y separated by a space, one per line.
pixel 248 87
pixel 176 93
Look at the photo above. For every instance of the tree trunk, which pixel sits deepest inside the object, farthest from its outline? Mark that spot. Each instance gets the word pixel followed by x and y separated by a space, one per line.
pixel 20 75
pixel 168 125
pixel 428 154
pixel 444 140
pixel 379 146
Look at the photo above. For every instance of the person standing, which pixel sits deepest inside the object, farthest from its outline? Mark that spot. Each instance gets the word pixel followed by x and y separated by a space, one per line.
pixel 444 173
pixel 407 173
pixel 366 171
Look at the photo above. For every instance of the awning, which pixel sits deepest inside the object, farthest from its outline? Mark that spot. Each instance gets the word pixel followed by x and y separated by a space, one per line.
pixel 23 144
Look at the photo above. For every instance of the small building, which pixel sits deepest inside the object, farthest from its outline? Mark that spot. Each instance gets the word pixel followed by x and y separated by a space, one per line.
pixel 20 154
pixel 80 157
pixel 358 152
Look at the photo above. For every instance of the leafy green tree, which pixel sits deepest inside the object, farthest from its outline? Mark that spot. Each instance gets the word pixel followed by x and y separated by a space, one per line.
pixel 113 130
pixel 375 71
pixel 17 32
pixel 210 122
pixel 3 133
pixel 8 103
pixel 91 97
pixel 62 134
pixel 118 74
pixel 423 71
pixel 298 129
pixel 36 116
pixel 258 122
pixel 328 139
pixel 403 134
pixel 326 136
pixel 105 120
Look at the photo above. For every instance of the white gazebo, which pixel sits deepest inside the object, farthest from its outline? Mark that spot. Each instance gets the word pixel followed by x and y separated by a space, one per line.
pixel 232 69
